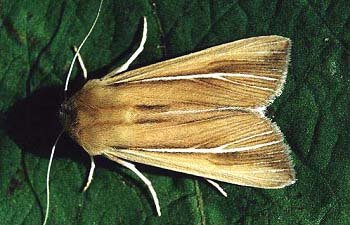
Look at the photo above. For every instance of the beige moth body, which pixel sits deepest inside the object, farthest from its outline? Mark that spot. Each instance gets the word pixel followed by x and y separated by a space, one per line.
pixel 200 114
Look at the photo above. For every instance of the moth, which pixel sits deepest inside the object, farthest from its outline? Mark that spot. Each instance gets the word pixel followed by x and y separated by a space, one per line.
pixel 200 114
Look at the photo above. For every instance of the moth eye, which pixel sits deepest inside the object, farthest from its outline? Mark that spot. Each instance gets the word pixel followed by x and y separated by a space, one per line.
pixel 64 110
pixel 60 111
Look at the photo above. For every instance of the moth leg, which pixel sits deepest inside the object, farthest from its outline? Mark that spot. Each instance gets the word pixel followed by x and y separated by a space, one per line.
pixel 143 178
pixel 138 51
pixel 91 174
pixel 81 62
pixel 217 186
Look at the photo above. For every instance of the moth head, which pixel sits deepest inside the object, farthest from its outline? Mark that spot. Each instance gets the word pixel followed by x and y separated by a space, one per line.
pixel 67 115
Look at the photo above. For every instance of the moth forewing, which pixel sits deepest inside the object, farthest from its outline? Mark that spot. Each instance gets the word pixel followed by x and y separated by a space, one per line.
pixel 226 151
pixel 252 68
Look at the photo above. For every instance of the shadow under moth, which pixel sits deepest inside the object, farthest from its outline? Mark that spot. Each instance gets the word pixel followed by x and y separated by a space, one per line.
pixel 199 114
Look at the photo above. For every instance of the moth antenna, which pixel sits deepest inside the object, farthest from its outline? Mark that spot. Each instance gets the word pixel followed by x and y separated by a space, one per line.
pixel 91 173
pixel 65 90
pixel 217 186
pixel 132 58
pixel 80 46
pixel 48 178
pixel 144 179
pixel 81 62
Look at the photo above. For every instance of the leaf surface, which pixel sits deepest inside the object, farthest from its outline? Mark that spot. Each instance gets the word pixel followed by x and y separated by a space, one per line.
pixel 36 39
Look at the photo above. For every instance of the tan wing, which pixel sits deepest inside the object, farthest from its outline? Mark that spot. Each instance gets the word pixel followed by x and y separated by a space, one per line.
pixel 235 147
pixel 245 73
pixel 268 167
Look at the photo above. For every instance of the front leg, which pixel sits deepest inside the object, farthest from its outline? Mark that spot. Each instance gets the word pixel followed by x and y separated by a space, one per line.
pixel 217 186
pixel 138 51
pixel 81 62
pixel 91 173
pixel 143 178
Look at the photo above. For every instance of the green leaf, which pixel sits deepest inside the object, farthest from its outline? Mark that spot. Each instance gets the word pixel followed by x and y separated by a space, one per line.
pixel 36 39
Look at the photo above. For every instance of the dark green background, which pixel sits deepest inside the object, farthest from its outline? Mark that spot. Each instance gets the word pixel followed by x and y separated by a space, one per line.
pixel 313 112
